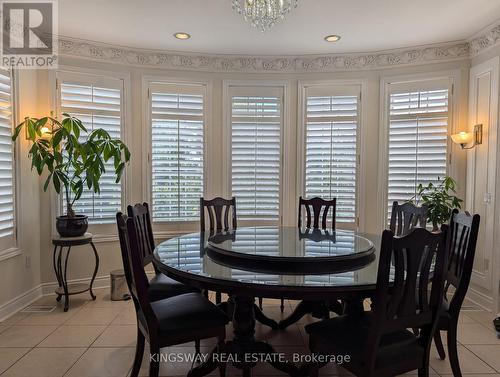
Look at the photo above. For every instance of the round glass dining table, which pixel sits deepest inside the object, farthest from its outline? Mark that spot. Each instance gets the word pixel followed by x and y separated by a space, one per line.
pixel 317 267
pixel 273 262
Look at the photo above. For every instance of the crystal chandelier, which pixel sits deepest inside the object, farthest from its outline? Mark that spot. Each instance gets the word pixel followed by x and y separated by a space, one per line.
pixel 263 14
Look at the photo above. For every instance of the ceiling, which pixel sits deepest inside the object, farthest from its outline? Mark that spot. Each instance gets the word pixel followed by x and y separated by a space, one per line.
pixel 365 25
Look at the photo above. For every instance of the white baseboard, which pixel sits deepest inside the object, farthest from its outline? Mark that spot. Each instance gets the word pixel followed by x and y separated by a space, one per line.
pixel 20 302
pixel 23 300
pixel 99 282
pixel 480 299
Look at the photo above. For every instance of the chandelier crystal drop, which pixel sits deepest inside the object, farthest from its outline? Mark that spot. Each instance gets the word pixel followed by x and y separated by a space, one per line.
pixel 263 14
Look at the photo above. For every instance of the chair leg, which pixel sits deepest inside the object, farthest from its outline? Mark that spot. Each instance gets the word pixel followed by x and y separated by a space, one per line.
pixel 220 350
pixel 260 303
pixel 197 346
pixel 452 350
pixel 282 306
pixel 439 344
pixel 154 360
pixel 218 297
pixel 139 353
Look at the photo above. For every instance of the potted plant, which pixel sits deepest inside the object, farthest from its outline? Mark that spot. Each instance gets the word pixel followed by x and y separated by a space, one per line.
pixel 72 161
pixel 440 200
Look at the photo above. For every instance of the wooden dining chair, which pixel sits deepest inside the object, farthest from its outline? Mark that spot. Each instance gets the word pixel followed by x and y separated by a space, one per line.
pixel 222 216
pixel 171 321
pixel 160 286
pixel 379 342
pixel 405 217
pixel 464 229
pixel 316 209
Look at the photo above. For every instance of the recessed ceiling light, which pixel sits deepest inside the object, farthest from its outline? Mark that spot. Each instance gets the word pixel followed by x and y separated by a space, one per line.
pixel 182 35
pixel 332 38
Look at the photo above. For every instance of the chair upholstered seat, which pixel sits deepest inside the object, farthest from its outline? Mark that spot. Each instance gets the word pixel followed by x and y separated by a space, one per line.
pixel 186 314
pixel 345 335
pixel 161 287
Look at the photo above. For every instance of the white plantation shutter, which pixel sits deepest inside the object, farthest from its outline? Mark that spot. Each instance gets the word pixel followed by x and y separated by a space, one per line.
pixel 418 127
pixel 256 123
pixel 177 123
pixel 332 121
pixel 7 187
pixel 97 102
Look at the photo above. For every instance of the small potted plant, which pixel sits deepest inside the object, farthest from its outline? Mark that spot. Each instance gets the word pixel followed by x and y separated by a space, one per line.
pixel 440 200
pixel 72 161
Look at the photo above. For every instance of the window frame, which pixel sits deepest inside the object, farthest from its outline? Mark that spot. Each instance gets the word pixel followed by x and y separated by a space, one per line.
pixel 165 229
pixel 286 147
pixel 452 79
pixel 360 85
pixel 106 232
pixel 15 248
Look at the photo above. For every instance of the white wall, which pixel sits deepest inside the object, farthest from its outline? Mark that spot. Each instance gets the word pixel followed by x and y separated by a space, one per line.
pixel 81 261
pixel 20 275
pixel 483 177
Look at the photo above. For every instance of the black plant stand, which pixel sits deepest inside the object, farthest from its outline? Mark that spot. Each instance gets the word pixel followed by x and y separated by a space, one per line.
pixel 64 289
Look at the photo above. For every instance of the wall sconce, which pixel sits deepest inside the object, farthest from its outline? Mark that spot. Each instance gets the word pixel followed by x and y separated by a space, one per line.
pixel 464 138
pixel 45 131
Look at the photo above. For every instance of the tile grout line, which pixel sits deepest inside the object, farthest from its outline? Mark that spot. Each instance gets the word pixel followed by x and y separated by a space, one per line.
pixel 90 345
pixel 15 362
pixel 479 357
pixel 30 350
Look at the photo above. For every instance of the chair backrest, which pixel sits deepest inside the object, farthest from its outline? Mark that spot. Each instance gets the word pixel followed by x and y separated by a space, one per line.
pixel 401 298
pixel 219 211
pixel 464 229
pixel 320 209
pixel 139 213
pixel 405 217
pixel 137 281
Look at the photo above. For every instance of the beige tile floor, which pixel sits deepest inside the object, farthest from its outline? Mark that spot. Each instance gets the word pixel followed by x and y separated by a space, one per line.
pixel 97 339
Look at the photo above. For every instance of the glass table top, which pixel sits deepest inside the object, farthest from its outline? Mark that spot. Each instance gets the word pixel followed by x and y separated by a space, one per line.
pixel 188 254
pixel 290 242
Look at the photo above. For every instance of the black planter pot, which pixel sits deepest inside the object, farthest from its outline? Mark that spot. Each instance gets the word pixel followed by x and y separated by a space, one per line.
pixel 72 227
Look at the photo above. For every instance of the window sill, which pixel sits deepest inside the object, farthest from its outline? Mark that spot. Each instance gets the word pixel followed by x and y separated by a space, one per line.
pixel 10 253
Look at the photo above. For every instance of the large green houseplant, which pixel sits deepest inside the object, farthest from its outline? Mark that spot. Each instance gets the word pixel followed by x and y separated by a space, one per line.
pixel 440 200
pixel 73 158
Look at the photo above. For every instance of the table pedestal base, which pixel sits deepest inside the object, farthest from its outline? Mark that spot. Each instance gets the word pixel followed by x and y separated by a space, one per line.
pixel 318 309
pixel 322 309
pixel 244 351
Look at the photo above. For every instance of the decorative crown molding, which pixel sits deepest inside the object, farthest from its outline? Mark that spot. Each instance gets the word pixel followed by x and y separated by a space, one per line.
pixel 485 40
pixel 283 64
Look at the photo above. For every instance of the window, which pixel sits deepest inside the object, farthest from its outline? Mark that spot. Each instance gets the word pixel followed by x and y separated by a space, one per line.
pixel 331 156
pixel 177 124
pixel 7 175
pixel 97 102
pixel 419 117
pixel 256 124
